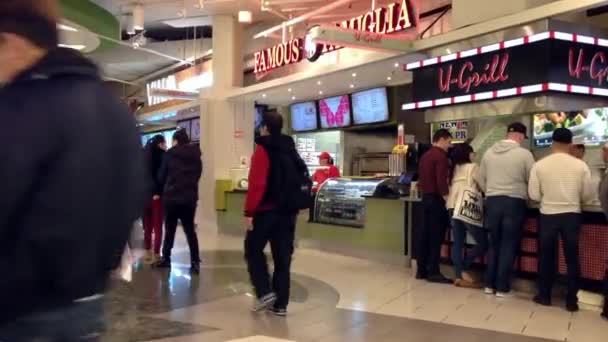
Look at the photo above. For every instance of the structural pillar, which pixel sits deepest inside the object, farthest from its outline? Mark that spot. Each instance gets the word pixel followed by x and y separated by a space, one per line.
pixel 227 127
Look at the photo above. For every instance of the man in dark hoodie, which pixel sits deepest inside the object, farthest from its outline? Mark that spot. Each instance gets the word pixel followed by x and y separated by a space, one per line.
pixel 180 173
pixel 70 193
pixel 266 221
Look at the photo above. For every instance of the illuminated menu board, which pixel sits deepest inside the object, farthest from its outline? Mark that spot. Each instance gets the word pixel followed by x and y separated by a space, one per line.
pixel 335 112
pixel 370 106
pixel 304 117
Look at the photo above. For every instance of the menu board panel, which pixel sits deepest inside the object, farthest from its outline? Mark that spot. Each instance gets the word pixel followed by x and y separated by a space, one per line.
pixel 196 130
pixel 335 112
pixel 304 117
pixel 370 106
pixel 185 125
pixel 589 126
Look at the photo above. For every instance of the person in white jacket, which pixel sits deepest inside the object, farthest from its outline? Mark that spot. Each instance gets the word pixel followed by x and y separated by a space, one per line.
pixel 462 176
pixel 562 184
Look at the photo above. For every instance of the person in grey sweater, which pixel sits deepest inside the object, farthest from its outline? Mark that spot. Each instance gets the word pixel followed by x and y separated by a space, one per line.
pixel 503 177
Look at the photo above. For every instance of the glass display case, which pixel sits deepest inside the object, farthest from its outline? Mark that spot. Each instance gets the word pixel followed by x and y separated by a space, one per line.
pixel 341 201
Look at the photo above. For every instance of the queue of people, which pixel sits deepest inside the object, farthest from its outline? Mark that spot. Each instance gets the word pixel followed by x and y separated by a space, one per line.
pixel 508 177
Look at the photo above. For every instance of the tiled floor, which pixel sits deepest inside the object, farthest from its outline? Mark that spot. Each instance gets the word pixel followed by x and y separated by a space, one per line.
pixel 335 298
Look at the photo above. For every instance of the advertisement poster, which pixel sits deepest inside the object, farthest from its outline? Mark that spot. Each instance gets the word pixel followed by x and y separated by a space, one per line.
pixel 370 106
pixel 589 127
pixel 335 112
pixel 458 128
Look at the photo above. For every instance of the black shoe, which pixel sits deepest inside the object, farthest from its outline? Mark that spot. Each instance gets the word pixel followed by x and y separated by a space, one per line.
pixel 278 312
pixel 605 316
pixel 439 279
pixel 420 275
pixel 538 299
pixel 195 268
pixel 163 263
pixel 572 307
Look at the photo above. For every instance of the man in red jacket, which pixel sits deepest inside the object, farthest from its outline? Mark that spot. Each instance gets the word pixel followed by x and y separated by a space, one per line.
pixel 264 219
pixel 433 183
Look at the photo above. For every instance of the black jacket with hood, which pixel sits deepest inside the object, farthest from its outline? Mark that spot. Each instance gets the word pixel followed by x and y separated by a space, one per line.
pixel 180 173
pixel 71 184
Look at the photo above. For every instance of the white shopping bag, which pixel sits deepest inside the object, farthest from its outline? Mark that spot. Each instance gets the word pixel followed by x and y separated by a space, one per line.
pixel 125 270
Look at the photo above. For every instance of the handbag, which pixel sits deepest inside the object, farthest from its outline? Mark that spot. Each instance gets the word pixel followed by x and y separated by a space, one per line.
pixel 468 207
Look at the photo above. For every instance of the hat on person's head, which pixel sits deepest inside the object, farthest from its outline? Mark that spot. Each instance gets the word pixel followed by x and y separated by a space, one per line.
pixel 324 155
pixel 562 135
pixel 518 127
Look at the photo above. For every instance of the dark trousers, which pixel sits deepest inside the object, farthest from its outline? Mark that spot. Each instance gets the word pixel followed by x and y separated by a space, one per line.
pixel 279 230
pixel 568 226
pixel 78 322
pixel 505 217
pixel 431 236
pixel 459 235
pixel 185 213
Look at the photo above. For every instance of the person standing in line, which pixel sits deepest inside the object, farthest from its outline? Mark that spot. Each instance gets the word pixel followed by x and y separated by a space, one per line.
pixel 327 171
pixel 561 195
pixel 181 171
pixel 603 195
pixel 433 183
pixel 462 176
pixel 503 177
pixel 70 193
pixel 269 217
pixel 153 215
pixel 578 151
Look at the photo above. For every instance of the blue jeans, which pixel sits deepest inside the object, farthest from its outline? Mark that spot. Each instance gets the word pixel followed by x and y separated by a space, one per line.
pixel 78 322
pixel 505 218
pixel 459 235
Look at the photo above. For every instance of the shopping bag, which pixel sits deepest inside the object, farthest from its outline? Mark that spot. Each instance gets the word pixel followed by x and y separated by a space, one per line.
pixel 125 270
pixel 469 207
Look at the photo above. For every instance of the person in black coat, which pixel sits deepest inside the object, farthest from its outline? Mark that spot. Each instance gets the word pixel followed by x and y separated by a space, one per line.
pixel 153 216
pixel 72 181
pixel 180 173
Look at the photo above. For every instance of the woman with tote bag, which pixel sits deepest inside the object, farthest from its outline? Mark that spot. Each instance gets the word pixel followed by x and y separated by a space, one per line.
pixel 465 203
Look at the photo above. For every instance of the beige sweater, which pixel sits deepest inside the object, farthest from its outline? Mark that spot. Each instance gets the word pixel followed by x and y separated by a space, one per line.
pixel 561 183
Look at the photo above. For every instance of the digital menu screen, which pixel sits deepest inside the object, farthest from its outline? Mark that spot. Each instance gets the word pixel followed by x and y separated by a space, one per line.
pixel 304 117
pixel 195 130
pixel 370 106
pixel 335 112
pixel 589 126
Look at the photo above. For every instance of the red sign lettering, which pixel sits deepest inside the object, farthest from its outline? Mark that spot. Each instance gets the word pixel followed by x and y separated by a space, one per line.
pixel 468 77
pixel 596 69
pixel 278 56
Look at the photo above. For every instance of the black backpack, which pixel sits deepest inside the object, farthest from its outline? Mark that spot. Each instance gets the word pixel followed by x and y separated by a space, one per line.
pixel 293 182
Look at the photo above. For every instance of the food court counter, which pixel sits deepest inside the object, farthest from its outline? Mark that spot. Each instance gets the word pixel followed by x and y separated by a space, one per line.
pixel 353 225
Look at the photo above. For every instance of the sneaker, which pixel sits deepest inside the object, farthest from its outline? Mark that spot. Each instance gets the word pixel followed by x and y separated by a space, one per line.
pixel 466 284
pixel 488 291
pixel 468 277
pixel 195 268
pixel 504 294
pixel 148 258
pixel 278 312
pixel 163 263
pixel 542 300
pixel 264 303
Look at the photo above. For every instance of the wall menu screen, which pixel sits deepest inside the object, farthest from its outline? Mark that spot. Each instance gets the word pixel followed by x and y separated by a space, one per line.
pixel 370 106
pixel 304 116
pixel 335 112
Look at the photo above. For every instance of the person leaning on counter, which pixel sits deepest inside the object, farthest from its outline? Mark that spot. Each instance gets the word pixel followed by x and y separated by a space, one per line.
pixel 561 195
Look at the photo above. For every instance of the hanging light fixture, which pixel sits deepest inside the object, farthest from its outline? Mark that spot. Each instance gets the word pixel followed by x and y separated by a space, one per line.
pixel 245 17
pixel 138 17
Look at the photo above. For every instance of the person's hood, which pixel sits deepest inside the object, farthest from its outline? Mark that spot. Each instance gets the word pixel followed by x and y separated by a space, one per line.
pixel 60 62
pixel 186 152
pixel 281 143
pixel 505 146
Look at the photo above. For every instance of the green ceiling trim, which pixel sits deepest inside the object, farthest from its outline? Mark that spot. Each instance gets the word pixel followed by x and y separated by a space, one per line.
pixel 93 17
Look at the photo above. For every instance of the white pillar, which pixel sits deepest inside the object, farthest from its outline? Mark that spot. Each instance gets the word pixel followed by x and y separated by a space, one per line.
pixel 221 119
pixel 468 12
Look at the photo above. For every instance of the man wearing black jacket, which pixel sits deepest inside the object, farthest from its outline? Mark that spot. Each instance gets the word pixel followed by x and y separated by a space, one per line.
pixel 71 185
pixel 180 173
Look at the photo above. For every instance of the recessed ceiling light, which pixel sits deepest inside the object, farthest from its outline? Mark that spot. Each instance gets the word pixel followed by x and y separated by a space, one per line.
pixel 320 92
pixel 354 74
pixel 264 95
pixel 319 82
pixel 396 65
pixel 352 85
pixel 389 78
pixel 293 97
pixel 289 90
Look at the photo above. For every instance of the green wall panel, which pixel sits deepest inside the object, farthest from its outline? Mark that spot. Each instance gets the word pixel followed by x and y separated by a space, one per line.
pixel 92 16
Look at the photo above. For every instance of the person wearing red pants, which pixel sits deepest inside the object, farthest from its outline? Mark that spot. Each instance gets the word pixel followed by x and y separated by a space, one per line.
pixel 153 216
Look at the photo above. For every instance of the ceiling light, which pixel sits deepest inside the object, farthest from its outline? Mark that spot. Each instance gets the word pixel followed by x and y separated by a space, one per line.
pixel 264 95
pixel 289 90
pixel 293 97
pixel 138 17
pixel 396 65
pixel 354 74
pixel 389 78
pixel 319 82
pixel 320 92
pixel 352 86
pixel 245 17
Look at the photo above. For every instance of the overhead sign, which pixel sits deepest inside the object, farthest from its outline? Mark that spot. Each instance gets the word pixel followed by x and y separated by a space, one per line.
pixel 174 94
pixel 395 17
pixel 548 61
pixel 362 39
